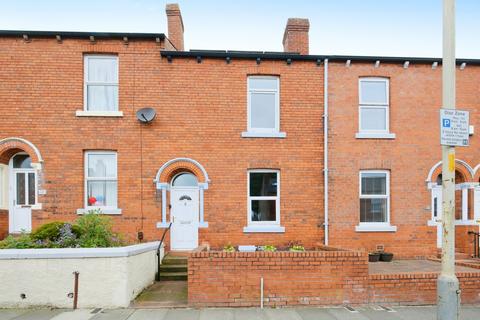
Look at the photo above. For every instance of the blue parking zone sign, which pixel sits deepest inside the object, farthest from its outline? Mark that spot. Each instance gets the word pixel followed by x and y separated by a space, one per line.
pixel 446 123
pixel 454 127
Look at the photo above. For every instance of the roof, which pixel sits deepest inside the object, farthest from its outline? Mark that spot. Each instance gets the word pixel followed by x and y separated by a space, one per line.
pixel 81 34
pixel 224 54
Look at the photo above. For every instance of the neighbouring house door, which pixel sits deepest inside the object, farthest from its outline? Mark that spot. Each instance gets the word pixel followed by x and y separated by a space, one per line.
pixel 184 215
pixel 22 194
pixel 437 208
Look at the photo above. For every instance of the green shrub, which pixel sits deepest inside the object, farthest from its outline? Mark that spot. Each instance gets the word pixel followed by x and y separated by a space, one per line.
pixel 229 248
pixel 297 248
pixel 51 231
pixel 269 248
pixel 23 241
pixel 96 231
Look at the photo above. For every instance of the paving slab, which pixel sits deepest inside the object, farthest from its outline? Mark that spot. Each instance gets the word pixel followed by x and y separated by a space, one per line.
pixel 249 314
pixel 39 314
pixel 8 314
pixel 182 314
pixel 217 314
pixel 372 314
pixel 315 314
pixel 79 314
pixel 163 294
pixel 342 313
pixel 417 313
pixel 282 314
pixel 116 314
pixel 149 314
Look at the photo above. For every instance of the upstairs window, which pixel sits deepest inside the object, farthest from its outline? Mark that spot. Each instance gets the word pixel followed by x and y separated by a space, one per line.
pixel 101 83
pixel 374 105
pixel 263 104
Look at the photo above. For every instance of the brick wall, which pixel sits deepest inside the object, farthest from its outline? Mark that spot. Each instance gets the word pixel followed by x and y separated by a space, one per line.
pixel 418 288
pixel 201 113
pixel 415 97
pixel 310 278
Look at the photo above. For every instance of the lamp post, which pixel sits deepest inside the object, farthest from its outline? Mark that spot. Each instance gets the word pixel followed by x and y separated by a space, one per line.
pixel 448 294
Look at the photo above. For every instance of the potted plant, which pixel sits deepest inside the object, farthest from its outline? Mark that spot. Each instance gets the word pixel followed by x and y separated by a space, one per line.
pixel 269 248
pixel 373 256
pixel 297 248
pixel 386 256
pixel 228 248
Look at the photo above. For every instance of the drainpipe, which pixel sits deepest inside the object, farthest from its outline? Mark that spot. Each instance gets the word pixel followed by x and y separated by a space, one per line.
pixel 325 148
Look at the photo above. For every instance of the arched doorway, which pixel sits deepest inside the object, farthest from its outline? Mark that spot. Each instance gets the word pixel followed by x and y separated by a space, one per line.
pixel 23 193
pixel 186 180
pixel 184 211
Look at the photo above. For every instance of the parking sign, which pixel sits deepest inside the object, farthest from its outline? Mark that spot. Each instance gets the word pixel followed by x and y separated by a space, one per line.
pixel 454 126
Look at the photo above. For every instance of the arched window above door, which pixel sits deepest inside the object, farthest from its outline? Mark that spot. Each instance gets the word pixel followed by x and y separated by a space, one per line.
pixel 185 179
pixel 22 161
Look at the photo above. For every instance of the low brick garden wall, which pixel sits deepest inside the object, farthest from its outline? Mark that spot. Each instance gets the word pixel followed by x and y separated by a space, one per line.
pixel 328 277
pixel 290 278
pixel 419 288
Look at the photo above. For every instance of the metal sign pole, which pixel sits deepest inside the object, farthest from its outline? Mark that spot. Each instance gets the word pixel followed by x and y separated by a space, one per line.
pixel 447 283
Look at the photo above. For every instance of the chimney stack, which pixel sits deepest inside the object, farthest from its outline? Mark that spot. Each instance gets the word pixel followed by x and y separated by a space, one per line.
pixel 295 38
pixel 175 25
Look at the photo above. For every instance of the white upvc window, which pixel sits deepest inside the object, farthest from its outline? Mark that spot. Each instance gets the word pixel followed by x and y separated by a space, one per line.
pixel 374 108
pixel 100 84
pixel 263 107
pixel 374 190
pixel 101 181
pixel 264 201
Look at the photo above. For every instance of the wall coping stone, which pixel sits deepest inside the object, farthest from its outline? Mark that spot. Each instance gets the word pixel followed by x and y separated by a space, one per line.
pixel 264 254
pixel 72 253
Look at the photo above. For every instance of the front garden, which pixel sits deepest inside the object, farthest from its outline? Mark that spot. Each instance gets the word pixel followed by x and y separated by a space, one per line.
pixel 91 230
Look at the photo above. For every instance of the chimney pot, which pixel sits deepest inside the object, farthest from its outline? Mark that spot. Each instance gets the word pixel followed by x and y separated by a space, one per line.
pixel 295 38
pixel 175 25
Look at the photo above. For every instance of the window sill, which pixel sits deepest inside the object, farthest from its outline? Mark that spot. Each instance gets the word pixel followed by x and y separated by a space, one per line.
pixel 362 135
pixel 375 228
pixel 434 223
pixel 248 134
pixel 264 229
pixel 104 211
pixel 85 113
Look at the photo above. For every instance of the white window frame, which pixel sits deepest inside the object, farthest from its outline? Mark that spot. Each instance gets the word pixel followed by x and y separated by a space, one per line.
pixel 4 186
pixel 97 113
pixel 366 133
pixel 104 209
pixel 263 226
pixel 263 132
pixel 375 226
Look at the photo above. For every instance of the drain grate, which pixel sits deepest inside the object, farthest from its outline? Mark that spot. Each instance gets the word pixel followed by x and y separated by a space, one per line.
pixel 350 309
pixel 387 309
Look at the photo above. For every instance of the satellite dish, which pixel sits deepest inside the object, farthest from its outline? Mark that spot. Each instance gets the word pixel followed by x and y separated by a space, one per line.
pixel 146 115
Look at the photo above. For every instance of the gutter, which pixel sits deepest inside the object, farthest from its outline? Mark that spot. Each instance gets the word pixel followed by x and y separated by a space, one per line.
pixel 325 149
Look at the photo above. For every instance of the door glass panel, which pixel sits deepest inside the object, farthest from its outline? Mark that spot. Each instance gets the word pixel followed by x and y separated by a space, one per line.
pixel 20 188
pixel 31 188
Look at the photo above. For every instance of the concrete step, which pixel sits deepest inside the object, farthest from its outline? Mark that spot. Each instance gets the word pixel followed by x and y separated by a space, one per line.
pixel 173 276
pixel 170 259
pixel 173 268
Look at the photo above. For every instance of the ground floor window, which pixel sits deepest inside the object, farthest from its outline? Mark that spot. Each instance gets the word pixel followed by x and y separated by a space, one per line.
pixel 101 179
pixel 263 197
pixel 374 197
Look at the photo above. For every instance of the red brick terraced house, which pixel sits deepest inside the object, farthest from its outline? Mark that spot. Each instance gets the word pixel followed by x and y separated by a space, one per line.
pixel 247 148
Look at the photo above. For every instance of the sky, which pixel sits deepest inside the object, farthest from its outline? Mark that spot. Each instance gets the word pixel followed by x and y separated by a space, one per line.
pixel 342 27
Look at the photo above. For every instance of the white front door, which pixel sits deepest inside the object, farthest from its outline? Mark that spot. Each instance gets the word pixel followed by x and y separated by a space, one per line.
pixel 22 198
pixel 184 215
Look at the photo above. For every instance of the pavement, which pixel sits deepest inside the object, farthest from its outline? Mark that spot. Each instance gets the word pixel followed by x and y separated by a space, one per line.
pixel 339 313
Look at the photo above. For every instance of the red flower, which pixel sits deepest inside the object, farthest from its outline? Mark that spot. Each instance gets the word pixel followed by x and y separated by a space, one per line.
pixel 91 201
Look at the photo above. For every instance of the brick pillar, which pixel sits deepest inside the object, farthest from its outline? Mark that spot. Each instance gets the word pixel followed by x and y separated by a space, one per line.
pixel 175 25
pixel 295 38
